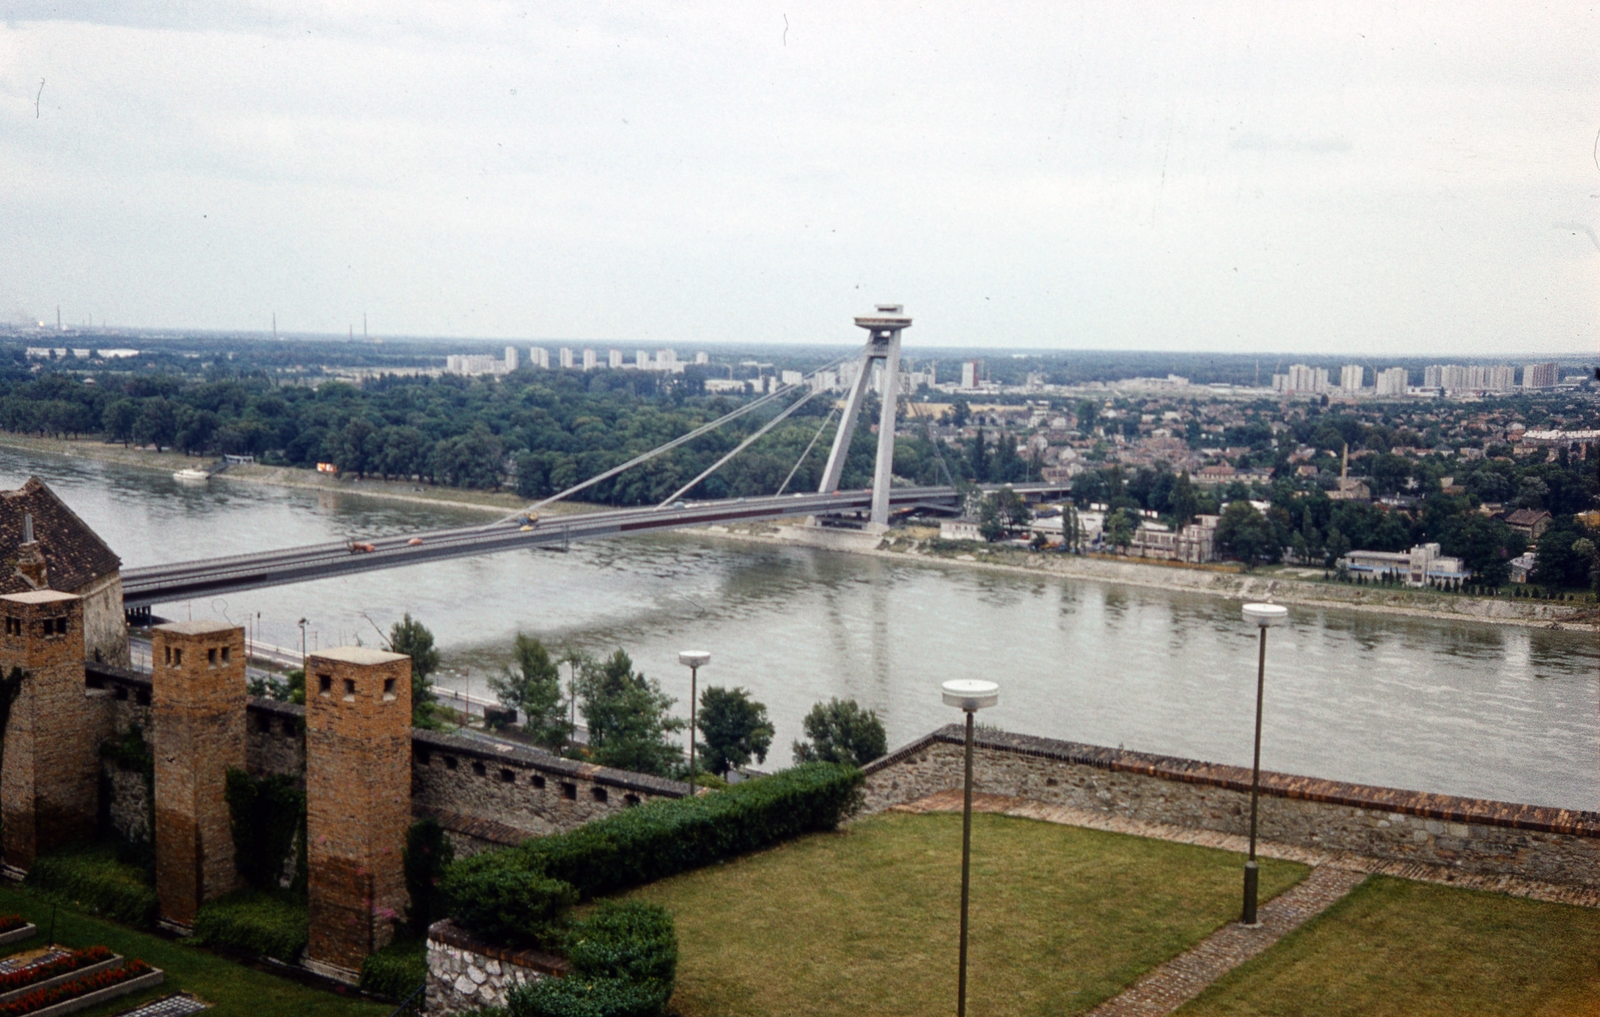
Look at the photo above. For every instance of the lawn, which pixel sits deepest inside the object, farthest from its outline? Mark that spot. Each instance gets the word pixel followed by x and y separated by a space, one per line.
pixel 864 921
pixel 1419 949
pixel 235 989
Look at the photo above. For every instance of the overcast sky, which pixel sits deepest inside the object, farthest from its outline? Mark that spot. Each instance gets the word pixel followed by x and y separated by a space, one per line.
pixel 1337 177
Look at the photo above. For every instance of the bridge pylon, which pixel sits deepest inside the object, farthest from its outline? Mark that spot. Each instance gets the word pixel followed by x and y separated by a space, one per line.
pixel 884 328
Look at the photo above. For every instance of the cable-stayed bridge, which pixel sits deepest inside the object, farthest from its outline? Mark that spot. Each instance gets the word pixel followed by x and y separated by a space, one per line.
pixel 143 587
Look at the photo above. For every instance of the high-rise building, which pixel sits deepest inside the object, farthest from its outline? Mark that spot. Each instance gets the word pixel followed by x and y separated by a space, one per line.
pixel 566 356
pixel 1539 376
pixel 1501 378
pixel 1301 378
pixel 1391 382
pixel 538 356
pixel 511 359
pixel 702 357
pixel 590 360
pixel 641 359
pixel 666 360
pixel 1433 376
pixel 614 359
pixel 969 374
pixel 1351 377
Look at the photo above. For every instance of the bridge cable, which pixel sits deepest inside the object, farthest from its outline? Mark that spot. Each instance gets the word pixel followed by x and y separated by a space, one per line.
pixel 801 461
pixel 714 467
pixel 674 443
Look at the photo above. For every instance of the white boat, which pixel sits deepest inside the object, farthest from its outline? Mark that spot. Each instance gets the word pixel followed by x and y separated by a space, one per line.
pixel 190 473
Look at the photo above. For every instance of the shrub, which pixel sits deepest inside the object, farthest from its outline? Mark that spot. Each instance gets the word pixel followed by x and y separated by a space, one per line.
pixel 509 903
pixel 266 815
pixel 397 969
pixel 664 838
pixel 576 996
pixel 270 923
pixel 428 854
pixel 625 939
pixel 90 877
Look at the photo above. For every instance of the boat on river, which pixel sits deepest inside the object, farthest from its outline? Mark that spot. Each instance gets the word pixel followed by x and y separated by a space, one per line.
pixel 189 473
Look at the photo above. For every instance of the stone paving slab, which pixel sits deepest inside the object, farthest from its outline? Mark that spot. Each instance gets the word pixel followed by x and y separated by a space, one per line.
pixel 950 801
pixel 179 1004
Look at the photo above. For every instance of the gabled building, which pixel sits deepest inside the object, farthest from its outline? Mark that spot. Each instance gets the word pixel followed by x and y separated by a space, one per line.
pixel 45 546
pixel 1532 522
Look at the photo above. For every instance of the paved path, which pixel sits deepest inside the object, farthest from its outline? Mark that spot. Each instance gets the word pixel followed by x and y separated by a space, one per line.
pixel 1333 874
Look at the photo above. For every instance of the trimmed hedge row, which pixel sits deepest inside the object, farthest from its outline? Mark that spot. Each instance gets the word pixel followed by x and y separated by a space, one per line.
pixel 624 964
pixel 397 969
pixel 645 844
pixel 93 879
pixel 272 924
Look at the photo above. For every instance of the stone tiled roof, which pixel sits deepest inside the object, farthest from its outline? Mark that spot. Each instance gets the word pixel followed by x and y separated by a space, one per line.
pixel 74 554
pixel 1527 517
pixel 1450 808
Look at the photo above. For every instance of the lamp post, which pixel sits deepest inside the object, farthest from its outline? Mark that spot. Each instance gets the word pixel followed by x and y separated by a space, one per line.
pixel 695 660
pixel 970 695
pixel 1265 616
pixel 302 624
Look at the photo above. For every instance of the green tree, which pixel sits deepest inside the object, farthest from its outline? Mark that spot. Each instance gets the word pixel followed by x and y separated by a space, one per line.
pixel 1183 501
pixel 1247 535
pixel 735 727
pixel 627 718
pixel 532 686
pixel 412 638
pixel 840 731
pixel 1119 528
pixel 990 525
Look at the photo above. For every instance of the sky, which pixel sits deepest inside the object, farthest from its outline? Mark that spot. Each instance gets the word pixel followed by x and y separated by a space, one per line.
pixel 1405 178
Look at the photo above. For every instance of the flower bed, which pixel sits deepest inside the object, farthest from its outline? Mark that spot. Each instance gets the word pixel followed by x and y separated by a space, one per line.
pixel 47 999
pixel 15 928
pixel 18 981
pixel 10 923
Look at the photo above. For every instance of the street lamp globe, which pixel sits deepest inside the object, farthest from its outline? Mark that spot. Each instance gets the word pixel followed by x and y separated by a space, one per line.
pixel 694 658
pixel 970 694
pixel 1266 615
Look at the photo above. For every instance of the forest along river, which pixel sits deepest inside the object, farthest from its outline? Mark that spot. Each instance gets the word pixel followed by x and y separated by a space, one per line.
pixel 1490 711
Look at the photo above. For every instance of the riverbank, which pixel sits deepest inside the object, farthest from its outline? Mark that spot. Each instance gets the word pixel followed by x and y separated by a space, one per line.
pixel 1284 584
pixel 487 502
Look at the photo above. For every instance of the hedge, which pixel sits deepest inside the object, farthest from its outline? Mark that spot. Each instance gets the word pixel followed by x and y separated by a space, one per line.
pixel 272 924
pixel 651 842
pixel 91 878
pixel 624 963
pixel 397 969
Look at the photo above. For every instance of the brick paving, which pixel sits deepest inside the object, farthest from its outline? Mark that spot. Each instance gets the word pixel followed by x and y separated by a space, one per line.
pixel 31 959
pixel 1333 874
pixel 1179 980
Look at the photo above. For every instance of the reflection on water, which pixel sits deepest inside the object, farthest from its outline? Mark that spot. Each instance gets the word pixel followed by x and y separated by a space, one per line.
pixel 1497 712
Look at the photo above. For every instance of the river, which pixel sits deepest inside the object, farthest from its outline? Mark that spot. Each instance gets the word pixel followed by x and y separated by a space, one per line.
pixel 1490 711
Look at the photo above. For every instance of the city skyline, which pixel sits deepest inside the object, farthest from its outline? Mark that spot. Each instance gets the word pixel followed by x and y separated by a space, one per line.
pixel 1246 179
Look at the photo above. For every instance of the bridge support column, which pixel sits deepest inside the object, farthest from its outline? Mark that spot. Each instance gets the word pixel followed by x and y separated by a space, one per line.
pixel 885 327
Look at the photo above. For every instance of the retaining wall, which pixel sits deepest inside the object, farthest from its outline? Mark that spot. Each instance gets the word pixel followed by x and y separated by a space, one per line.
pixel 465 974
pixel 1471 834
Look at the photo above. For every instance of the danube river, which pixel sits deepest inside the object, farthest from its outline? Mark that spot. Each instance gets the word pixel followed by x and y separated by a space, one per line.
pixel 1490 711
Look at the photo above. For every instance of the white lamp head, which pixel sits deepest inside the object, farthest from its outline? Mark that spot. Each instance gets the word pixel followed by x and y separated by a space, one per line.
pixel 694 658
pixel 1266 615
pixel 970 694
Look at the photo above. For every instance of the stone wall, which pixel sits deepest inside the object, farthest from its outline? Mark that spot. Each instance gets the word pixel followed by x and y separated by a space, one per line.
pixel 465 974
pixel 274 740
pixel 1474 835
pixel 127 809
pixel 487 793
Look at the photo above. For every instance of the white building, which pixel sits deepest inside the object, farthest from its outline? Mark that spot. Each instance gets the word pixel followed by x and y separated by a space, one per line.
pixel 1391 382
pixel 1351 377
pixel 471 364
pixel 1301 378
pixel 702 357
pixel 959 529
pixel 566 357
pixel 590 360
pixel 1416 567
pixel 969 374
pixel 1539 376
pixel 614 360
pixel 793 377
pixel 511 359
pixel 667 360
pixel 538 356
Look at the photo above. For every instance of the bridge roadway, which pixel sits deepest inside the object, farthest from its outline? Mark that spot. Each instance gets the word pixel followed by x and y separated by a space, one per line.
pixel 143 587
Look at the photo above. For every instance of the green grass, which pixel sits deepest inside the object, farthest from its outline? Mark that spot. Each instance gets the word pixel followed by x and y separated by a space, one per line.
pixel 864 921
pixel 1394 947
pixel 235 989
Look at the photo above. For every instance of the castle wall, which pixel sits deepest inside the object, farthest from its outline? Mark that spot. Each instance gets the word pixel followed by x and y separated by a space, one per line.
pixel 1473 835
